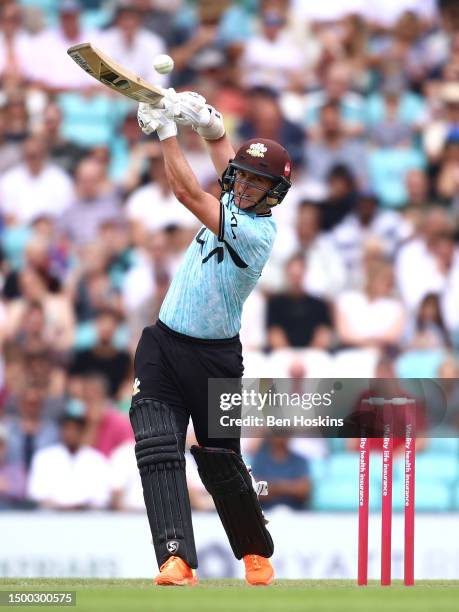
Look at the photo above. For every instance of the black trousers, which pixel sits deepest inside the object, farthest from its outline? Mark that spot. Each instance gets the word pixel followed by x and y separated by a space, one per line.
pixel 174 369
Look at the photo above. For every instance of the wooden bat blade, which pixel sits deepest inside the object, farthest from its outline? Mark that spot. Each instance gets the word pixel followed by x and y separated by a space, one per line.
pixel 110 73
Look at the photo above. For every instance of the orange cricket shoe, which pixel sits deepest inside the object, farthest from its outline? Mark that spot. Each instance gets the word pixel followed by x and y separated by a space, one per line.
pixel 175 572
pixel 258 570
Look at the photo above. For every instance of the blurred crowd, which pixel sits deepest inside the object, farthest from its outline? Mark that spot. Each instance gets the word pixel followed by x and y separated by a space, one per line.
pixel 365 266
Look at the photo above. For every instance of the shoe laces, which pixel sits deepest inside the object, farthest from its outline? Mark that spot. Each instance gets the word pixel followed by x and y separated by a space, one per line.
pixel 254 562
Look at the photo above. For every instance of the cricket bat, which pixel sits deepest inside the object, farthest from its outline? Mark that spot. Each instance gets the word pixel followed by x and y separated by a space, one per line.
pixel 111 74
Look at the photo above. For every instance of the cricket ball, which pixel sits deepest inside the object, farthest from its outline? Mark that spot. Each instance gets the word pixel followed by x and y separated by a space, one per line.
pixel 163 64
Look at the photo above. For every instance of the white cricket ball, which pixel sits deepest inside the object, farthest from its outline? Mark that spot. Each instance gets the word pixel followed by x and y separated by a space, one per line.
pixel 163 64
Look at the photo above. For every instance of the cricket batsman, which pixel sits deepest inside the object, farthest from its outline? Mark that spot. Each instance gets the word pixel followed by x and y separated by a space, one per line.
pixel 197 337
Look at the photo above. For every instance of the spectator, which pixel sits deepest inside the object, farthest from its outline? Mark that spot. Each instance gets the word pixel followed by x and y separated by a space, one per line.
pixel 419 253
pixel 15 46
pixel 12 476
pixel 265 120
pixel 366 223
pixel 158 17
pixel 28 430
pixel 90 284
pixel 18 120
pixel 446 252
pixel 125 484
pixel 104 358
pixel 447 185
pixel 417 191
pixel 341 200
pixel 372 317
pixel 332 147
pixel 337 89
pixel 127 154
pixel 69 475
pixel 52 69
pixel 287 472
pixel 10 152
pixel 106 427
pixel 129 43
pixel 394 122
pixel 146 283
pixel 429 331
pixel 31 334
pixel 395 106
pixel 154 206
pixel 35 187
pixel 447 378
pixel 271 59
pixel 92 207
pixel 295 318
pixel 57 308
pixel 37 256
pixel 197 156
pixel 62 151
pixel 200 500
pixel 436 131
pixel 189 48
pixel 326 274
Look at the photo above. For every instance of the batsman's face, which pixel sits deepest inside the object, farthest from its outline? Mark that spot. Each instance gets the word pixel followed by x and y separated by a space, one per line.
pixel 250 188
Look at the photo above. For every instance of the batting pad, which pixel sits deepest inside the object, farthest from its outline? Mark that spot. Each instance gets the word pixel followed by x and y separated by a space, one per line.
pixel 226 478
pixel 161 462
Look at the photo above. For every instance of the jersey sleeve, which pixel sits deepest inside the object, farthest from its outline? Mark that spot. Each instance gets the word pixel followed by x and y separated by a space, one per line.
pixel 248 238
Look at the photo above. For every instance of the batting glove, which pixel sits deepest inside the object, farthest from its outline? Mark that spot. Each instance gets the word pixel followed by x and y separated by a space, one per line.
pixel 211 125
pixel 190 109
pixel 157 120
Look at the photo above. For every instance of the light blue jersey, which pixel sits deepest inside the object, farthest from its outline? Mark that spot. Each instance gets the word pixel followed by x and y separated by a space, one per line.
pixel 205 298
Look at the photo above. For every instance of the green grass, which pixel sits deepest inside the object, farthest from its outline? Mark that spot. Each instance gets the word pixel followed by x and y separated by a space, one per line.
pixel 235 596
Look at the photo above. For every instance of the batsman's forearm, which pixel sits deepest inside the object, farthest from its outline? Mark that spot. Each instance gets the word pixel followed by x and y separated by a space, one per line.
pixel 186 188
pixel 220 151
pixel 181 178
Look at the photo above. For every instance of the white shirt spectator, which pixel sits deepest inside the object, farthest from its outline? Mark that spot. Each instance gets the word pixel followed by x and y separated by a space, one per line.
pixel 270 63
pixel 450 298
pixel 350 235
pixel 417 273
pixel 53 66
pixel 139 283
pixel 149 206
pixel 253 321
pixel 25 197
pixel 369 319
pixel 69 479
pixel 137 57
pixel 331 10
pixel 384 13
pixel 388 12
pixel 125 478
pixel 22 50
pixel 303 188
pixel 325 274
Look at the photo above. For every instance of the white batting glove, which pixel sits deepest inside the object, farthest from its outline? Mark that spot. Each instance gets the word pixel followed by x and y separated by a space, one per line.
pixel 157 120
pixel 210 126
pixel 190 109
